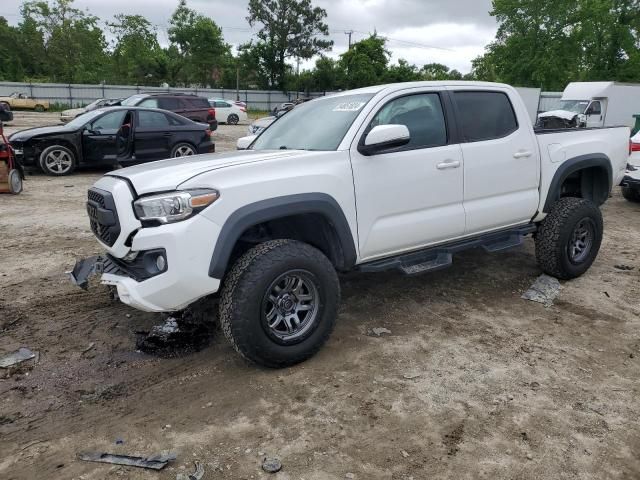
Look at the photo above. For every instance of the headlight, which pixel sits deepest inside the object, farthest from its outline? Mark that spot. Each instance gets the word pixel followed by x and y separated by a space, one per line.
pixel 173 207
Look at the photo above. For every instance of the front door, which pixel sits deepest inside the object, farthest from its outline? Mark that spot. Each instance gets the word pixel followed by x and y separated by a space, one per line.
pixel 412 197
pixel 595 114
pixel 501 163
pixel 99 139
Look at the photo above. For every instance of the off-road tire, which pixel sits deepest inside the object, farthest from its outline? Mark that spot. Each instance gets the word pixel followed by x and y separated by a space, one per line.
pixel 555 234
pixel 43 165
pixel 242 299
pixel 631 194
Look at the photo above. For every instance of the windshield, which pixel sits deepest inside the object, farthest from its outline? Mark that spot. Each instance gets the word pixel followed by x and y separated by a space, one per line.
pixel 317 125
pixel 85 118
pixel 132 100
pixel 575 106
pixel 94 105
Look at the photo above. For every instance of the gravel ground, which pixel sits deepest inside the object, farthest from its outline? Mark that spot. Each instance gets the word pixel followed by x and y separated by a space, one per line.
pixel 471 382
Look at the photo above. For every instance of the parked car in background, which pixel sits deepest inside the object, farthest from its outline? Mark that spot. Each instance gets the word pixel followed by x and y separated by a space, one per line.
pixel 631 182
pixel 23 101
pixel 259 125
pixel 228 112
pixel 192 107
pixel 241 104
pixel 112 136
pixel 68 115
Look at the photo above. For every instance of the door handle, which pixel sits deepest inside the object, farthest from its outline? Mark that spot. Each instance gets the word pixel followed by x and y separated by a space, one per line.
pixel 167 134
pixel 448 164
pixel 522 154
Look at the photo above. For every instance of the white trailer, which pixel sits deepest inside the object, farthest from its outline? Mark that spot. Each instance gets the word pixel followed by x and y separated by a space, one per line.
pixel 531 99
pixel 599 104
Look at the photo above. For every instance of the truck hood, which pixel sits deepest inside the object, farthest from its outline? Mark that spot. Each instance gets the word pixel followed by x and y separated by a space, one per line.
pixel 166 175
pixel 563 114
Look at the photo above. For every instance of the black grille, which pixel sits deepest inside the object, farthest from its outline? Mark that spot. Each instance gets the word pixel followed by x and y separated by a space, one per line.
pixel 103 216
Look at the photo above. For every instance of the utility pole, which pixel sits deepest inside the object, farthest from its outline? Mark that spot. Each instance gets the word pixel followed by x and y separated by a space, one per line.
pixel 237 84
pixel 349 33
pixel 298 77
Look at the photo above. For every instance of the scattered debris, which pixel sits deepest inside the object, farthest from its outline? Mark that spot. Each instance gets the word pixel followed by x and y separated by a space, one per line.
pixel 624 268
pixel 156 462
pixel 544 290
pixel 534 385
pixel 271 465
pixel 526 348
pixel 607 294
pixel 15 360
pixel 404 453
pixel 89 347
pixel 197 475
pixel 119 441
pixel 411 376
pixel 378 332
pixel 350 475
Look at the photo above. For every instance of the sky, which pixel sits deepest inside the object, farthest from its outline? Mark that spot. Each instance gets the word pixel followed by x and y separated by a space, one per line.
pixel 458 30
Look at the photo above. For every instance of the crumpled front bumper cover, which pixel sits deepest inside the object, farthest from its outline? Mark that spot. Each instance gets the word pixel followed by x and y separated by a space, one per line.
pixel 84 269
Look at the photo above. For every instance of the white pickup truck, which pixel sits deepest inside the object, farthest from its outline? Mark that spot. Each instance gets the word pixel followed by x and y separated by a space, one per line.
pixel 388 177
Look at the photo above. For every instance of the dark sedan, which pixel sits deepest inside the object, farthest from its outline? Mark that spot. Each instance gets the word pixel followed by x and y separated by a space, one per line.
pixel 112 136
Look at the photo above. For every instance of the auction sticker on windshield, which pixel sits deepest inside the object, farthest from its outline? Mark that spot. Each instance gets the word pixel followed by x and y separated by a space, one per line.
pixel 349 106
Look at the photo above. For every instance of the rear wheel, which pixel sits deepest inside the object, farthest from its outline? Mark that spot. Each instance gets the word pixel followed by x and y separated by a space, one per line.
pixel 279 303
pixel 183 150
pixel 39 108
pixel 631 194
pixel 57 160
pixel 568 240
pixel 233 119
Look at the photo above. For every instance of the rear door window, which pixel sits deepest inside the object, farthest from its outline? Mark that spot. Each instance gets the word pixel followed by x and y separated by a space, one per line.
pixel 485 115
pixel 169 103
pixel 152 119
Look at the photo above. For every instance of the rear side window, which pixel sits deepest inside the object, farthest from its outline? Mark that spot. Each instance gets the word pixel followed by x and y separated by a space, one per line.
pixel 152 119
pixel 197 102
pixel 219 104
pixel 149 103
pixel 423 116
pixel 485 115
pixel 169 103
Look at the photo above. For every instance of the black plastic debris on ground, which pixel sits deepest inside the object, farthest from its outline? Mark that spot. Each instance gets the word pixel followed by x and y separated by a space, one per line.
pixel 182 333
pixel 156 462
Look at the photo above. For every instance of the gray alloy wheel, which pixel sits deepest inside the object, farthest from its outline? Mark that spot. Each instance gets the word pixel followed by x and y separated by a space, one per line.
pixel 233 119
pixel 290 305
pixel 182 150
pixel 57 160
pixel 581 242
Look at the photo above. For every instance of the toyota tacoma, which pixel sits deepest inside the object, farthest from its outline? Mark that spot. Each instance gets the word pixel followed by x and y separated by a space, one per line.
pixel 388 177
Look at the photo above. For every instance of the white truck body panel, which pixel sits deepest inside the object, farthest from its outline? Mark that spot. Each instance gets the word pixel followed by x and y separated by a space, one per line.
pixel 393 203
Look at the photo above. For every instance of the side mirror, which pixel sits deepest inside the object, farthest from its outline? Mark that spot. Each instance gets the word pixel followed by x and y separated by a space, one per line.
pixel 384 138
pixel 244 142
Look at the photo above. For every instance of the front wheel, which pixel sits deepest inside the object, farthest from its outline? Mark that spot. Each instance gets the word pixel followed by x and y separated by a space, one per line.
pixel 57 160
pixel 39 108
pixel 279 303
pixel 568 240
pixel 183 150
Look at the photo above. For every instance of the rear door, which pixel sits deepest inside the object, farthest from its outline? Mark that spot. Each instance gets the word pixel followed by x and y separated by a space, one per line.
pixel 412 197
pixel 501 163
pixel 223 110
pixel 153 135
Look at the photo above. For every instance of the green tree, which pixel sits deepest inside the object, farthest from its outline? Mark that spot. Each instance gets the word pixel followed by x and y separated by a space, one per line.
pixel 402 72
pixel 365 63
pixel 438 71
pixel 11 67
pixel 74 44
pixel 200 43
pixel 137 57
pixel 289 29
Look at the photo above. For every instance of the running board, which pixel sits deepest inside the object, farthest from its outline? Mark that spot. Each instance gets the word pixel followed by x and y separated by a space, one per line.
pixel 441 256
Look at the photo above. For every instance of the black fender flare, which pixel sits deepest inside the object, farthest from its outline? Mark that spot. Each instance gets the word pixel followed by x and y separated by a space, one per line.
pixel 280 207
pixel 573 165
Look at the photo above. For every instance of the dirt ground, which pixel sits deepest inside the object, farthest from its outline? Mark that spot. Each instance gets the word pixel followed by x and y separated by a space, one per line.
pixel 472 382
